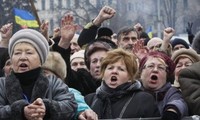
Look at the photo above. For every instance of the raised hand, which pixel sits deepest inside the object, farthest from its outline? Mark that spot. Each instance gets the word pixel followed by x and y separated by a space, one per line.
pixel 105 13
pixel 168 33
pixel 6 33
pixel 68 29
pixel 138 27
pixel 139 49
pixel 56 32
pixel 44 29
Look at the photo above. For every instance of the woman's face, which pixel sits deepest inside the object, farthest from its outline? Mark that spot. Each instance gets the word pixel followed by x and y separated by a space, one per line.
pixel 95 63
pixel 181 64
pixel 154 75
pixel 116 74
pixel 24 58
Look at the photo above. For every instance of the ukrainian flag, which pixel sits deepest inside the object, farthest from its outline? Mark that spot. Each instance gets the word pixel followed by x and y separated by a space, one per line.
pixel 149 31
pixel 25 18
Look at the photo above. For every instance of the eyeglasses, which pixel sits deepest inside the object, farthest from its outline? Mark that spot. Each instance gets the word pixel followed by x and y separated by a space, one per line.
pixel 159 67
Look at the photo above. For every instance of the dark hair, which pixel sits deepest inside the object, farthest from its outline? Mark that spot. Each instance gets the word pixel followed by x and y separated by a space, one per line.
pixel 97 45
pixel 126 30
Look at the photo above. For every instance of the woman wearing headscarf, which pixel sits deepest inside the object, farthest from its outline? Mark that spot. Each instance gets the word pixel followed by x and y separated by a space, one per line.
pixel 26 93
pixel 156 71
pixel 120 95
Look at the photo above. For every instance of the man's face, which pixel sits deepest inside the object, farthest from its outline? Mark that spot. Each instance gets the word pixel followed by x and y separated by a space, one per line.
pixel 126 41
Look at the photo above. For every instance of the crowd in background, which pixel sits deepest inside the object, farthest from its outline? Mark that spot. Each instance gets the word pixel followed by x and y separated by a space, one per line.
pixel 97 74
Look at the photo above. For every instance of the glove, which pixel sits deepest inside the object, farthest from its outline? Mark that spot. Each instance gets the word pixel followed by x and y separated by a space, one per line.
pixel 169 115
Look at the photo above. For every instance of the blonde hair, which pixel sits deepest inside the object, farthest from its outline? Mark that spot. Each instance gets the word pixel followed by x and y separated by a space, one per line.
pixel 116 55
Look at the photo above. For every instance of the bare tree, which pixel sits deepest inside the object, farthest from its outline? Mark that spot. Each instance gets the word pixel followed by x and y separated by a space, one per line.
pixel 170 11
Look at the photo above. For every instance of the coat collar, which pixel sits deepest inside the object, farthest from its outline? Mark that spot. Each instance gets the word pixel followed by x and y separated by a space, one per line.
pixel 14 91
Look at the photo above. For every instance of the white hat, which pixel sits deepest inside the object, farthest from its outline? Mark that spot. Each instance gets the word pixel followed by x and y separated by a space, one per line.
pixel 79 54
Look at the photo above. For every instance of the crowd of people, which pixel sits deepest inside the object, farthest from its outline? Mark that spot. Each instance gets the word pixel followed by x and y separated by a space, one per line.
pixel 97 74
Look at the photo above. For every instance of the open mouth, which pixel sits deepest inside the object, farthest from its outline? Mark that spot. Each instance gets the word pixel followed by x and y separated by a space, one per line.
pixel 154 77
pixel 23 65
pixel 113 78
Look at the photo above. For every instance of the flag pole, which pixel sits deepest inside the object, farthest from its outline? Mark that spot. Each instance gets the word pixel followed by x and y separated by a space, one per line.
pixel 35 12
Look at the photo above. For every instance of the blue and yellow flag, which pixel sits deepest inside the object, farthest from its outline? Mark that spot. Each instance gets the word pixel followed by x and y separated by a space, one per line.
pixel 149 31
pixel 25 18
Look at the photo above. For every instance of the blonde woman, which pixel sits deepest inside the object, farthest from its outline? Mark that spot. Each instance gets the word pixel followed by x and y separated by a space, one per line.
pixel 120 95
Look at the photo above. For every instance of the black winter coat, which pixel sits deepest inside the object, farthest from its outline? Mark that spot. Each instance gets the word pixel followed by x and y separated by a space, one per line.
pixel 59 102
pixel 125 101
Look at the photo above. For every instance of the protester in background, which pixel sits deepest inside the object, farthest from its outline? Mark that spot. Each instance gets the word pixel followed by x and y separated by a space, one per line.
pixel 90 31
pixel 189 32
pixel 77 60
pixel 74 44
pixel 114 38
pixel 142 34
pixel 179 43
pixel 6 33
pixel 183 58
pixel 156 70
pixel 126 37
pixel 157 44
pixel 55 65
pixel 189 79
pixel 196 42
pixel 119 92
pixel 34 97
pixel 83 80
pixel 7 68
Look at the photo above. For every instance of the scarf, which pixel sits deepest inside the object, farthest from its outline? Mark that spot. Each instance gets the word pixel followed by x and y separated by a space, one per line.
pixel 109 95
pixel 27 81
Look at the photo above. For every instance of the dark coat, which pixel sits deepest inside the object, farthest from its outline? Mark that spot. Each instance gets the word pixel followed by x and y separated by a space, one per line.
pixel 170 97
pixel 81 79
pixel 87 35
pixel 3 57
pixel 122 102
pixel 189 79
pixel 59 102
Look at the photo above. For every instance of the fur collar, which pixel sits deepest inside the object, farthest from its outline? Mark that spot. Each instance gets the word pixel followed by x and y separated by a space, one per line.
pixel 14 90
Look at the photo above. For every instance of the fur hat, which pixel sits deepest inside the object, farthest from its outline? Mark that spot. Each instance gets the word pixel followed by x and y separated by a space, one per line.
pixel 79 54
pixel 32 37
pixel 189 53
pixel 56 64
pixel 177 41
pixel 196 42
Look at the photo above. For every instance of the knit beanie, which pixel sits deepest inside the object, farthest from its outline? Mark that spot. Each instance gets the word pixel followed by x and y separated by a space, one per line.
pixel 189 53
pixel 56 64
pixel 33 37
pixel 79 54
pixel 177 41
